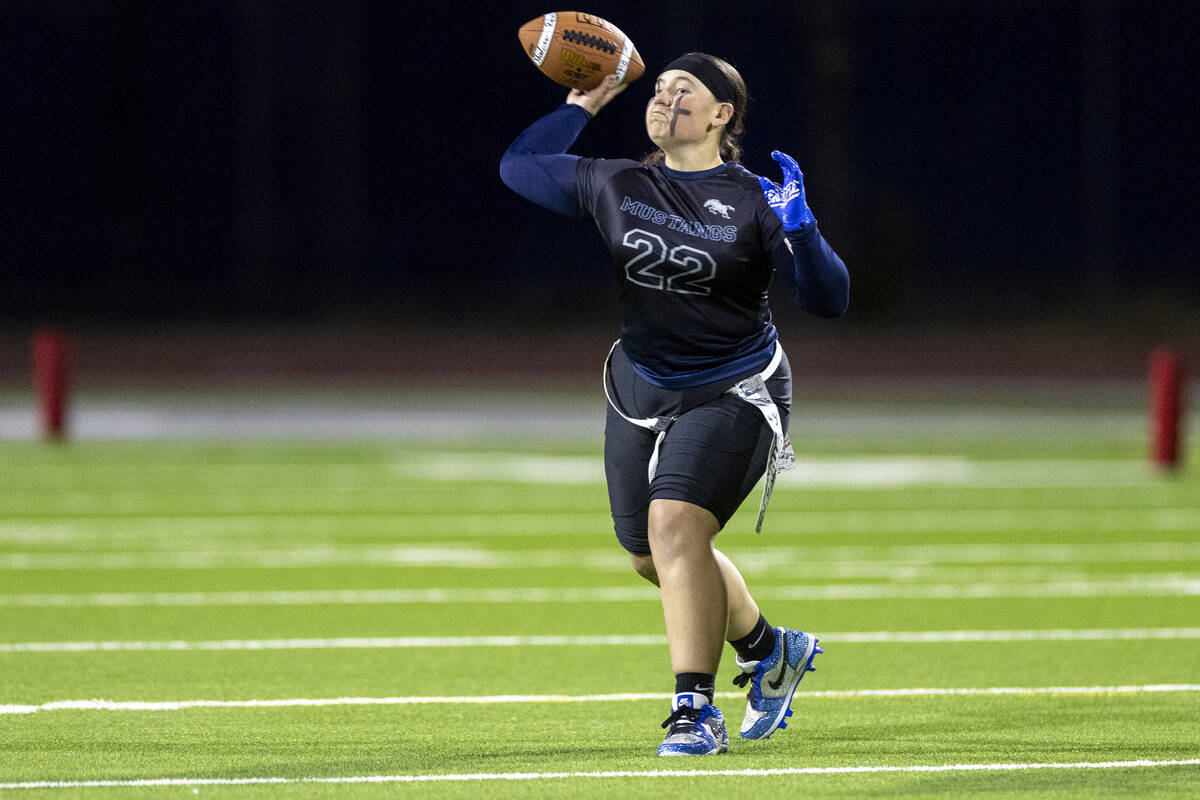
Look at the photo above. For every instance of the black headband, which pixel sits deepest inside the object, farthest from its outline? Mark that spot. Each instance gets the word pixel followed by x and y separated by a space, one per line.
pixel 708 73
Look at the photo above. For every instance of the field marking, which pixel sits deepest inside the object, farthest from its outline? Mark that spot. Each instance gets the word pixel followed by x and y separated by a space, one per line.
pixel 465 556
pixel 909 470
pixel 170 529
pixel 303 702
pixel 882 471
pixel 1131 586
pixel 469 555
pixel 334 597
pixel 1166 585
pixel 868 637
pixel 661 773
pixel 871 472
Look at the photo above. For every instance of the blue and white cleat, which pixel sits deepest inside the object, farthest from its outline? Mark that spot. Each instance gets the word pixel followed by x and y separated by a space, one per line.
pixel 773 681
pixel 694 732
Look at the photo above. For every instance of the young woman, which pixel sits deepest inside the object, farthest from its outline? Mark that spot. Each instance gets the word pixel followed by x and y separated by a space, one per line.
pixel 698 386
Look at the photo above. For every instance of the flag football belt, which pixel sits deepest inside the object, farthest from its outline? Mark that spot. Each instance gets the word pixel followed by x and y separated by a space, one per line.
pixel 754 391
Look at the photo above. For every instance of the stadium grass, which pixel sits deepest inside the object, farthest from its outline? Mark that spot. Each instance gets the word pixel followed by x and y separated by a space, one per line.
pixel 135 518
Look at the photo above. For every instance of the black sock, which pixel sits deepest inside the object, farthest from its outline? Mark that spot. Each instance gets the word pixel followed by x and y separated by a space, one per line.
pixel 696 683
pixel 758 643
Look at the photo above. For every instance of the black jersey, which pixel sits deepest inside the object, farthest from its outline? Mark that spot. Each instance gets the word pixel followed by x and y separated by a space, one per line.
pixel 692 252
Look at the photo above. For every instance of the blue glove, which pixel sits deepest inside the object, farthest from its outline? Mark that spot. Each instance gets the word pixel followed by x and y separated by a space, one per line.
pixel 788 201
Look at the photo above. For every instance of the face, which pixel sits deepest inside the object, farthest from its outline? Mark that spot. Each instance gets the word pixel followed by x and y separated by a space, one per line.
pixel 683 110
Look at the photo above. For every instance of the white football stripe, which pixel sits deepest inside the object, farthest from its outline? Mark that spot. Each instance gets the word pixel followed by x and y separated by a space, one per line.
pixel 549 23
pixel 183 705
pixel 623 64
pixel 869 637
pixel 663 773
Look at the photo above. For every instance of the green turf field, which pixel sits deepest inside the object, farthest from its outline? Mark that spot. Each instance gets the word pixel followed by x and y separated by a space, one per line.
pixel 1010 609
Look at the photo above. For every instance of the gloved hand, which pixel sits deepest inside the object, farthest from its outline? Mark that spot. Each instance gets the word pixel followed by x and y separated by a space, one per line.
pixel 788 201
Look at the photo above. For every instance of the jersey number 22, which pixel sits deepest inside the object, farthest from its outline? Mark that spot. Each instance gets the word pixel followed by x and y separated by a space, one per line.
pixel 684 270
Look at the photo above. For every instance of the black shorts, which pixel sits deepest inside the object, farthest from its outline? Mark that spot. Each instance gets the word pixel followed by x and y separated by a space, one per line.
pixel 712 456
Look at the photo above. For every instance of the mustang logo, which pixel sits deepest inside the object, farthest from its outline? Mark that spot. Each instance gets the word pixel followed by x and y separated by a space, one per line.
pixel 717 207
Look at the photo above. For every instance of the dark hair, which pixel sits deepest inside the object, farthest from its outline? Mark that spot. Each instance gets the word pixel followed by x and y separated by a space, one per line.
pixel 731 148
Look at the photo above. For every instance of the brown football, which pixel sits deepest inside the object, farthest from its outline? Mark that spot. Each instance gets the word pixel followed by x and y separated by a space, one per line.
pixel 578 50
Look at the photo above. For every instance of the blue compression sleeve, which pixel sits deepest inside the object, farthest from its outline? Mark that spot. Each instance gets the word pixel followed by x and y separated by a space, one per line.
pixel 537 166
pixel 820 282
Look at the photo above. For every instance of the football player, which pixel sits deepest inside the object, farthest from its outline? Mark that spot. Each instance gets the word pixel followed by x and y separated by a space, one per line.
pixel 698 385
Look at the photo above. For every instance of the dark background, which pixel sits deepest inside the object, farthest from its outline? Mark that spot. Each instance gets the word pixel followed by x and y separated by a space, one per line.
pixel 973 162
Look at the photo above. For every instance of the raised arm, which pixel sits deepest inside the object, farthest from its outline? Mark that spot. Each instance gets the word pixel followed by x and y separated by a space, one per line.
pixel 820 282
pixel 537 165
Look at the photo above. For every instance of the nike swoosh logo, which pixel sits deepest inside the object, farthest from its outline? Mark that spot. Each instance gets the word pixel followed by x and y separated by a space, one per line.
pixel 784 661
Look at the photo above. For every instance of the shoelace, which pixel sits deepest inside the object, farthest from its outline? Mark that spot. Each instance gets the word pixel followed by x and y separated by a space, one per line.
pixel 741 680
pixel 683 714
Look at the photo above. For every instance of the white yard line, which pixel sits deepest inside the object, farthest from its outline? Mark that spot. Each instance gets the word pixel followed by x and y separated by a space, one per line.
pixel 1150 585
pixel 172 530
pixel 1125 586
pixel 877 471
pixel 465 557
pixel 183 705
pixel 935 470
pixel 868 637
pixel 474 555
pixel 537 776
pixel 332 597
